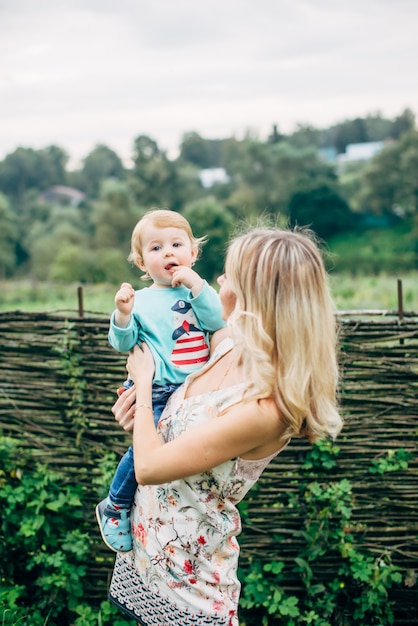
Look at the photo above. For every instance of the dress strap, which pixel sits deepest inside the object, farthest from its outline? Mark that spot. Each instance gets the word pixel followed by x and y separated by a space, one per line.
pixel 222 348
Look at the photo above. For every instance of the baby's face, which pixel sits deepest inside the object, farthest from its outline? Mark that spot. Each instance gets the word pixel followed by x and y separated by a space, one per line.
pixel 163 249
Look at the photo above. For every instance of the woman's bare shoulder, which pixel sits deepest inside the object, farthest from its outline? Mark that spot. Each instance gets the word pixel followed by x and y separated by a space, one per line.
pixel 260 417
pixel 217 337
pixel 269 408
pixel 268 428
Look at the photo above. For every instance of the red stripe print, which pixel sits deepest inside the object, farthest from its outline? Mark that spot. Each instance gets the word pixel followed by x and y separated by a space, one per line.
pixel 190 339
pixel 190 361
pixel 191 349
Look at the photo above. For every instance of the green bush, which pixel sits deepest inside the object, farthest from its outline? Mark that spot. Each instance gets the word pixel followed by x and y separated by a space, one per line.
pixel 46 550
pixel 358 590
pixel 375 251
pixel 45 547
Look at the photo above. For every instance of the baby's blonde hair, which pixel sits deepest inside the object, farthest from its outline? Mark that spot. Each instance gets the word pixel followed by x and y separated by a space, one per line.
pixel 284 326
pixel 161 218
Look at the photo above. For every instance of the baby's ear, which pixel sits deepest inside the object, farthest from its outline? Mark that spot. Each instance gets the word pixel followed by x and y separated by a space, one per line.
pixel 195 253
pixel 140 263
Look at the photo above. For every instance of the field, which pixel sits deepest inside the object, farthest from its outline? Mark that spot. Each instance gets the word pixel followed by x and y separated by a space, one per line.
pixel 349 292
pixel 374 292
pixel 364 268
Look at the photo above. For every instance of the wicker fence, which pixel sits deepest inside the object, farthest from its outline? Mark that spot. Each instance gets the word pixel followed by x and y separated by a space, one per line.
pixel 57 382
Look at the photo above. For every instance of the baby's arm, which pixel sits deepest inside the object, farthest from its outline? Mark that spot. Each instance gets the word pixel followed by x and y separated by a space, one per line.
pixel 124 301
pixel 205 300
pixel 124 329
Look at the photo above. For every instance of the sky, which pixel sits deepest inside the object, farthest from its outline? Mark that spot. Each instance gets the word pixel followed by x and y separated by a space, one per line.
pixel 77 73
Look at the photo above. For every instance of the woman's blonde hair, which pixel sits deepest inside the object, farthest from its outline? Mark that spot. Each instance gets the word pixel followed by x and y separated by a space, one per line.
pixel 160 218
pixel 284 326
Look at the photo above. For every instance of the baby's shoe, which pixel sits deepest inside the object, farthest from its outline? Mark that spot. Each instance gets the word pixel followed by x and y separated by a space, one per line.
pixel 115 526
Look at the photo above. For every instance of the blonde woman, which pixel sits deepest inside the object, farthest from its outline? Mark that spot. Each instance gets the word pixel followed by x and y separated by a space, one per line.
pixel 272 379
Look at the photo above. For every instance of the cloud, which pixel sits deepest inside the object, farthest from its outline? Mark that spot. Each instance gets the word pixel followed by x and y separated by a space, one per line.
pixel 80 72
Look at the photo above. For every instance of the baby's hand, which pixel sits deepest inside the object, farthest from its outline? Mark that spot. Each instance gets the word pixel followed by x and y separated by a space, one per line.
pixel 183 275
pixel 124 301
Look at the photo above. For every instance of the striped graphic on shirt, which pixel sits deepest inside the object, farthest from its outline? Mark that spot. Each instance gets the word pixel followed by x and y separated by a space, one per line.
pixel 190 351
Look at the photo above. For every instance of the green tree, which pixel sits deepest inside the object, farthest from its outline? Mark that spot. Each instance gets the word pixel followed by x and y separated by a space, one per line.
pixel 154 178
pixel 48 241
pixel 72 263
pixel 101 163
pixel 305 136
pixel 201 152
pixel 52 166
pixel 377 193
pixel 390 182
pixel 378 127
pixel 350 183
pixel 407 193
pixel 269 172
pixel 190 184
pixel 404 123
pixel 114 217
pixel 350 131
pixel 194 149
pixel 32 215
pixel 322 209
pixel 23 174
pixel 8 238
pixel 18 172
pixel 209 218
pixel 26 169
pixel 275 136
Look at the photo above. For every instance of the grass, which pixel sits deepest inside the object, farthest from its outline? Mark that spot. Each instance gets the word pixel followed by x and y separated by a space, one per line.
pixel 364 268
pixel 349 292
pixel 37 297
pixel 374 292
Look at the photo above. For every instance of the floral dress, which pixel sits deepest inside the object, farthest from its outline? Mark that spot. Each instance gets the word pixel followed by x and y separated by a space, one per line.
pixel 183 566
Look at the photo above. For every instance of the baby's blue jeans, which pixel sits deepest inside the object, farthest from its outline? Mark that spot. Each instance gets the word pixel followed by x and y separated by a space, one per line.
pixel 123 487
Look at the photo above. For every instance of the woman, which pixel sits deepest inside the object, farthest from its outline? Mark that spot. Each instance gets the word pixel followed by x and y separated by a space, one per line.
pixel 273 378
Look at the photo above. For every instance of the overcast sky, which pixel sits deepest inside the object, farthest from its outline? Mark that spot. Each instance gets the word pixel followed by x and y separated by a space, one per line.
pixel 76 73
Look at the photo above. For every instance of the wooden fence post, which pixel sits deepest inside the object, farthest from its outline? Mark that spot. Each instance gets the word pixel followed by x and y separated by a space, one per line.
pixel 80 301
pixel 400 306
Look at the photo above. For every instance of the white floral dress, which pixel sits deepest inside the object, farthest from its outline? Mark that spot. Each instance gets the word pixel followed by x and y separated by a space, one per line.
pixel 183 566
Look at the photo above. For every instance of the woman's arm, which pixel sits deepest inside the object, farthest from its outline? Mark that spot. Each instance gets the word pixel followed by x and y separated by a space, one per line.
pixel 240 432
pixel 251 429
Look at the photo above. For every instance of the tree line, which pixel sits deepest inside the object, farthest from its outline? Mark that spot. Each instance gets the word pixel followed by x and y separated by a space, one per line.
pixel 284 178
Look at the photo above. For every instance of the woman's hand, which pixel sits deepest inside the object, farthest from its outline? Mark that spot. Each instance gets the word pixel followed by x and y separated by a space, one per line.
pixel 140 365
pixel 124 408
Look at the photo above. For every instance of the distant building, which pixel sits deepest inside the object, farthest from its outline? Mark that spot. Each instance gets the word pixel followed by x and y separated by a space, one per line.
pixel 213 176
pixel 62 195
pixel 360 151
pixel 353 152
